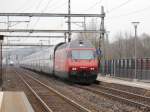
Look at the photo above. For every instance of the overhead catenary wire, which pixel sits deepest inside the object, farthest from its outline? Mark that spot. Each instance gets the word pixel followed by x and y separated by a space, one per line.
pixel 119 6
pixel 40 2
pixel 18 9
pixel 38 5
pixel 46 7
pixel 42 12
pixel 95 4
pixel 38 19
pixel 30 17
pixel 25 9
pixel 58 6
pixel 130 13
pixel 22 6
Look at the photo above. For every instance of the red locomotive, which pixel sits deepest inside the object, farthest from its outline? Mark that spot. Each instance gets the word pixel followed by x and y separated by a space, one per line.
pixel 75 61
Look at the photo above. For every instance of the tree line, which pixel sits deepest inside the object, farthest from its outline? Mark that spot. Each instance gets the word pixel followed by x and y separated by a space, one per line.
pixel 123 47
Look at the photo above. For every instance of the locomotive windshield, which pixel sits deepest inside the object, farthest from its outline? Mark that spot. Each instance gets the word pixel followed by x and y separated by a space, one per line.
pixel 82 54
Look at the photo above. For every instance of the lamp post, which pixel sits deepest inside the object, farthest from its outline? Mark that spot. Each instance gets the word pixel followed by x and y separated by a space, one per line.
pixel 135 24
pixel 1 58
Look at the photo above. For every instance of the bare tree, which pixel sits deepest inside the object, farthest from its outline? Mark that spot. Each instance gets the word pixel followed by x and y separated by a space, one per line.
pixel 123 47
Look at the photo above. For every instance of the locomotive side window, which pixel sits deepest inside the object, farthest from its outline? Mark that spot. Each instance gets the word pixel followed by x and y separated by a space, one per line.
pixel 82 54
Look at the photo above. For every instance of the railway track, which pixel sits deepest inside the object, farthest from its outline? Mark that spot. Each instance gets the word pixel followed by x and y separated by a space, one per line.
pixel 52 100
pixel 120 95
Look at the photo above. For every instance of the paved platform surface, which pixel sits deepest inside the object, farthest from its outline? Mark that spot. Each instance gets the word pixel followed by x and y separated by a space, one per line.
pixel 14 102
pixel 133 83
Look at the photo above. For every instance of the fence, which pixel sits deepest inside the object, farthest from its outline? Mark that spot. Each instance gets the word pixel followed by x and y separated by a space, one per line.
pixel 125 68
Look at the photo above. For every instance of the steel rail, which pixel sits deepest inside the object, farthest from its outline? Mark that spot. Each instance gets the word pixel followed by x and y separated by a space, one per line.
pixel 70 101
pixel 129 93
pixel 99 92
pixel 36 95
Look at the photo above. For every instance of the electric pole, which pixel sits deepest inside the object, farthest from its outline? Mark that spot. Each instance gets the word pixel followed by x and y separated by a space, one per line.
pixel 106 46
pixel 65 36
pixel 1 59
pixel 84 23
pixel 69 21
pixel 102 33
pixel 135 24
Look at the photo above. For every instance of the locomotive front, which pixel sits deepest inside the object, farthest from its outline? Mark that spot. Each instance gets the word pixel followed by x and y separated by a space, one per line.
pixel 83 65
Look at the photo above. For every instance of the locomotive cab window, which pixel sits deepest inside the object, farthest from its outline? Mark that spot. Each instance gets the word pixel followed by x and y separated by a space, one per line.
pixel 82 54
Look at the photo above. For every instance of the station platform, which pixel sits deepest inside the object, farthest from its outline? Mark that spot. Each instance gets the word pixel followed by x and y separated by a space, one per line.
pixel 132 83
pixel 14 102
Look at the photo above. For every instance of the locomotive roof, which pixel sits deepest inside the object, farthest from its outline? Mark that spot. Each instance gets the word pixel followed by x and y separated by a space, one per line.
pixel 77 44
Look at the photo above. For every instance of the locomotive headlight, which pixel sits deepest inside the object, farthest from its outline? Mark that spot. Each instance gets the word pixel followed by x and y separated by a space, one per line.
pixel 74 68
pixel 92 68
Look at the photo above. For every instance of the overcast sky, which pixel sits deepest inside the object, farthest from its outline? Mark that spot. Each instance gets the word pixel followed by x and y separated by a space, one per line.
pixel 119 13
